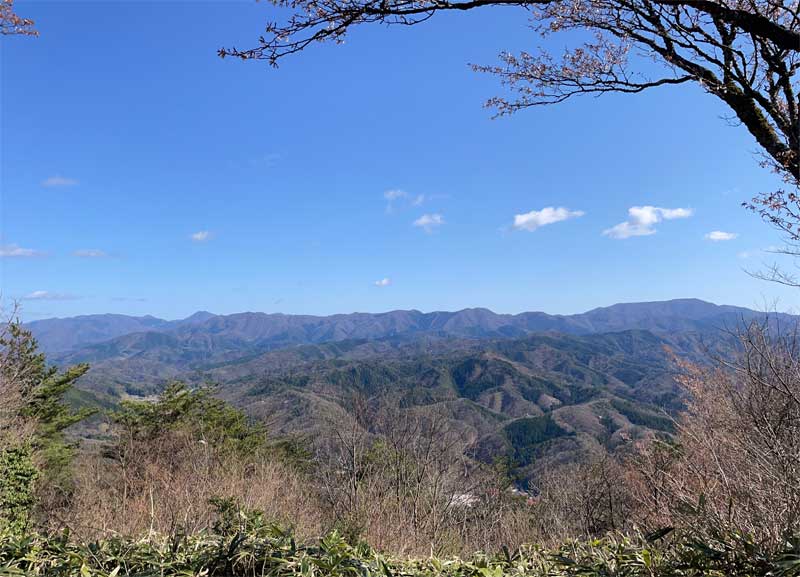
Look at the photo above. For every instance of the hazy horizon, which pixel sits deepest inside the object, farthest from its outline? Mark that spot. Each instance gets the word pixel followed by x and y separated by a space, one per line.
pixel 765 307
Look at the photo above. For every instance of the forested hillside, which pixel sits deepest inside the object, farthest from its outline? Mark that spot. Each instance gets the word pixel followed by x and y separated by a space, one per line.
pixel 531 401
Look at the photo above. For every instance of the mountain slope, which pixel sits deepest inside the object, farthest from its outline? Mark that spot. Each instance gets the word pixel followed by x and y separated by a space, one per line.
pixel 532 400
pixel 58 335
pixel 79 339
pixel 531 388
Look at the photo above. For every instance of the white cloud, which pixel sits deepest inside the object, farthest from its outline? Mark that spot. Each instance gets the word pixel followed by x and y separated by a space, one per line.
pixel 429 222
pixel 59 181
pixel 201 236
pixel 400 197
pixel 48 296
pixel 673 213
pixel 386 281
pixel 718 235
pixel 532 220
pixel 642 220
pixel 15 251
pixel 394 194
pixel 90 253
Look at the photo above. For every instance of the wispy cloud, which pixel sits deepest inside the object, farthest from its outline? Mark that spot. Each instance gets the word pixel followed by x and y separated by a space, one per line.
pixel 534 219
pixel 129 299
pixel 397 196
pixel 16 251
pixel 90 253
pixel 718 235
pixel 394 194
pixel 48 296
pixel 201 236
pixel 642 220
pixel 760 251
pixel 386 281
pixel 429 222
pixel 59 181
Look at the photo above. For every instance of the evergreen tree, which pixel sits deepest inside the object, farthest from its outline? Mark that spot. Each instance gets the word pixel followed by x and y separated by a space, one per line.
pixel 35 454
pixel 195 412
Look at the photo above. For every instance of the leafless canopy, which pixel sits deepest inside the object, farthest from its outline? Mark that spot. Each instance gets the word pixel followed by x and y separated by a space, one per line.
pixel 745 52
pixel 735 463
pixel 10 23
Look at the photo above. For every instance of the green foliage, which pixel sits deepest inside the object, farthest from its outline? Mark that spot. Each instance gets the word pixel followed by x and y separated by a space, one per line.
pixel 18 477
pixel 244 546
pixel 53 416
pixel 39 392
pixel 638 416
pixel 233 519
pixel 293 451
pixel 525 434
pixel 368 377
pixel 472 376
pixel 196 412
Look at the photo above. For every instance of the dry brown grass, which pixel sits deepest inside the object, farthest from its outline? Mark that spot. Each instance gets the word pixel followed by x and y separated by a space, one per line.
pixel 168 489
pixel 402 483
pixel 412 500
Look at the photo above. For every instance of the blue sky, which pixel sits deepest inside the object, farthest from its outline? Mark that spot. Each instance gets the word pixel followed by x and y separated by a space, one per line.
pixel 142 174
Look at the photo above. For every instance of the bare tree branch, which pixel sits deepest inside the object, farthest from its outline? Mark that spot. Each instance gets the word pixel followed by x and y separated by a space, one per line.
pixel 11 24
pixel 744 52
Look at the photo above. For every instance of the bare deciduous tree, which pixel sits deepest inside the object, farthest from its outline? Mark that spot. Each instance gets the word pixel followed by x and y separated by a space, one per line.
pixel 781 209
pixel 11 23
pixel 583 499
pixel 736 463
pixel 18 376
pixel 401 480
pixel 395 477
pixel 744 52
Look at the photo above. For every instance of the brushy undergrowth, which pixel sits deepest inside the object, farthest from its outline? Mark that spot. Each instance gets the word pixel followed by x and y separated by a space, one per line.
pixel 266 550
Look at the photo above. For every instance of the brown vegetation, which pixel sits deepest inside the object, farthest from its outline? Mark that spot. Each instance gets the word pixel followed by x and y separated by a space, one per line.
pixel 735 462
pixel 17 379
pixel 171 486
pixel 405 482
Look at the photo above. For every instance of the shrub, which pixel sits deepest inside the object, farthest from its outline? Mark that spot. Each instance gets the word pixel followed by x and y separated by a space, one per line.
pixel 193 412
pixel 18 477
pixel 35 454
pixel 734 464
pixel 174 463
pixel 268 550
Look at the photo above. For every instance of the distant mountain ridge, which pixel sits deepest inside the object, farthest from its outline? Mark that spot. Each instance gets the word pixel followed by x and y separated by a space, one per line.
pixel 533 387
pixel 264 331
pixel 63 334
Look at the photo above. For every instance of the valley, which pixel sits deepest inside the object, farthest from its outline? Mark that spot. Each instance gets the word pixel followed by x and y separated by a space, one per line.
pixel 532 388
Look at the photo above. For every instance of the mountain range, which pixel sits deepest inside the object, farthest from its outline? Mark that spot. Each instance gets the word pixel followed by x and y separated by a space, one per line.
pixel 269 331
pixel 533 387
